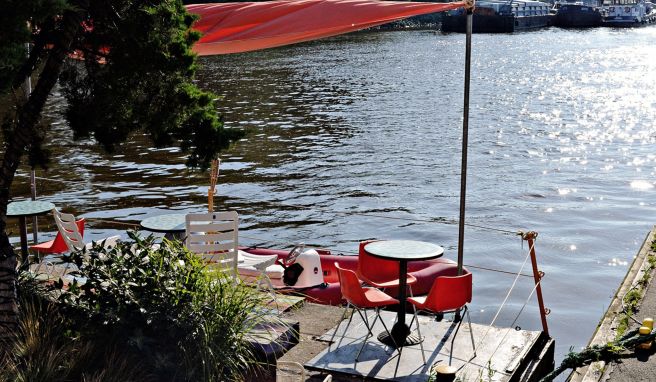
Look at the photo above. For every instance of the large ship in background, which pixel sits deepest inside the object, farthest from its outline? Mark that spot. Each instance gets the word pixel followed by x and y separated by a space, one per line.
pixel 491 16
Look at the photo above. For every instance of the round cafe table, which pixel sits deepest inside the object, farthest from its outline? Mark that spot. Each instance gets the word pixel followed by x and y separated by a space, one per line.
pixel 25 209
pixel 173 225
pixel 402 251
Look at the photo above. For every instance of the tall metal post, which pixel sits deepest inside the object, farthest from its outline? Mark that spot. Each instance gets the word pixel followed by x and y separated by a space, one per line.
pixel 465 134
pixel 537 276
pixel 28 90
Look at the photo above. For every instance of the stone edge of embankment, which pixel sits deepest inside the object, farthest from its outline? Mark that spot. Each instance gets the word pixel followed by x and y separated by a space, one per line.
pixel 606 330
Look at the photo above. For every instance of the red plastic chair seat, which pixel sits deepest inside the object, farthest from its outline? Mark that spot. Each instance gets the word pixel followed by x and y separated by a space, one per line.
pixel 448 293
pixel 58 244
pixel 418 301
pixel 390 283
pixel 358 296
pixel 376 298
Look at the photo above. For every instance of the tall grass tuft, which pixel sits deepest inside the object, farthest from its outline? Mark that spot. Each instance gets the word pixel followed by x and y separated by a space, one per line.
pixel 43 349
pixel 230 315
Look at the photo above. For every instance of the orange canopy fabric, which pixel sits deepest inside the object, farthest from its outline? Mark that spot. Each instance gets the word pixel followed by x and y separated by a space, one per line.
pixel 242 27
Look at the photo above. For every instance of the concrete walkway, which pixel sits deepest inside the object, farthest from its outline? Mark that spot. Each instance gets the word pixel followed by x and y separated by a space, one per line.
pixel 636 366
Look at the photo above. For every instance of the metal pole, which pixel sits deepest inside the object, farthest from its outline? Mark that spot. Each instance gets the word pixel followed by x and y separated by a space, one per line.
pixel 465 132
pixel 537 276
pixel 28 91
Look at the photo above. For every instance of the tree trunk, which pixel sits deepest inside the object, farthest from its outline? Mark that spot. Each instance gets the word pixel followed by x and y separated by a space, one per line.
pixel 18 141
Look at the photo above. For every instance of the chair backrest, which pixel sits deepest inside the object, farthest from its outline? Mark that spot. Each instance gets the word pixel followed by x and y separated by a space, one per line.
pixel 59 244
pixel 69 229
pixel 350 286
pixel 449 293
pixel 371 268
pixel 214 237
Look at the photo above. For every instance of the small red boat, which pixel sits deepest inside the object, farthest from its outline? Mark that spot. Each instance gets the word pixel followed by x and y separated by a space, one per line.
pixel 315 276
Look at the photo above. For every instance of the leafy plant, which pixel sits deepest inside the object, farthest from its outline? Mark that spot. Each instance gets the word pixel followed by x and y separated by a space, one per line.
pixel 183 321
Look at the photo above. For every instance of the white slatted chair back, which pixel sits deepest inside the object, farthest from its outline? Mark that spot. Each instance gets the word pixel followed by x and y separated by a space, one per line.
pixel 214 237
pixel 69 230
pixel 72 236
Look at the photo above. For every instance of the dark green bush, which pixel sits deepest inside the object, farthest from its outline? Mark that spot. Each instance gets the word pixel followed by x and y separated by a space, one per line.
pixel 163 307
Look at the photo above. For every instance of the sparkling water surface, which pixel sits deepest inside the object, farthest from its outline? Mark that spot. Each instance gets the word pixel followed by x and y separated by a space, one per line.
pixel 358 137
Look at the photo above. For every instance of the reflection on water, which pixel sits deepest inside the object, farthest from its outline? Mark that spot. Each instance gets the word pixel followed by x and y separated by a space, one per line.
pixel 359 137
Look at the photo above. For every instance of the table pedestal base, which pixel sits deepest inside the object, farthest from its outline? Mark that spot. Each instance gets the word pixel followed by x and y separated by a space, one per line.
pixel 412 339
pixel 401 336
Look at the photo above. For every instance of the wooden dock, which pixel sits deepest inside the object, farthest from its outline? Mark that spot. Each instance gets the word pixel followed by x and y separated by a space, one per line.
pixel 502 354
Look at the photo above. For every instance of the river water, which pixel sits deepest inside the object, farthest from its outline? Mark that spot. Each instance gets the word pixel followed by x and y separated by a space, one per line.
pixel 358 137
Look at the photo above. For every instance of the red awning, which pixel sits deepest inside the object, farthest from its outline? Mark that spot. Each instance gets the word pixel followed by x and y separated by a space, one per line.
pixel 242 27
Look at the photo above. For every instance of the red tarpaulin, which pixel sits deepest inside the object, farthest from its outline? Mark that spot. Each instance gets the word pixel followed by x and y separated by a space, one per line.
pixel 242 27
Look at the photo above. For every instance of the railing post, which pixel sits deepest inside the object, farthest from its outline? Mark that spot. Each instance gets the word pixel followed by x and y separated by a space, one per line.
pixel 214 176
pixel 537 276
pixel 28 90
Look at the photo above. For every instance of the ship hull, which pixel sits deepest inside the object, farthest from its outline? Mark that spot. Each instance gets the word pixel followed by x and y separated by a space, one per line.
pixel 576 16
pixel 495 23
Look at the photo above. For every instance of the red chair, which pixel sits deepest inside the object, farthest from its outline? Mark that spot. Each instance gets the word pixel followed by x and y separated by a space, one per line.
pixel 378 272
pixel 449 294
pixel 58 244
pixel 360 298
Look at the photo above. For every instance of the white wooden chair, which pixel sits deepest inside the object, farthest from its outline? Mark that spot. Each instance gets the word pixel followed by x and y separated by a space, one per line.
pixel 71 233
pixel 214 237
pixel 72 236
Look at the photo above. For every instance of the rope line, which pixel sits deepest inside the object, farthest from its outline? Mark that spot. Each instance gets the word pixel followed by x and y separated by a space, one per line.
pixel 346 213
pixel 503 303
pixel 497 270
pixel 92 184
pixel 347 252
pixel 261 241
pixel 114 222
pixel 512 325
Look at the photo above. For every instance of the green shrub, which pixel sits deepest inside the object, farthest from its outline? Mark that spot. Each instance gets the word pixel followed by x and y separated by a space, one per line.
pixel 163 307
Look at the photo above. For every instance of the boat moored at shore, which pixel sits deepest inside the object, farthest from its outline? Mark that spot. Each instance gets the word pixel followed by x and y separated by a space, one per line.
pixel 493 16
pixel 577 14
pixel 316 276
pixel 628 13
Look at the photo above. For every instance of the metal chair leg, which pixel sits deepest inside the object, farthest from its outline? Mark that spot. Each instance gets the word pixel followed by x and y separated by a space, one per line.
pixel 264 280
pixel 453 339
pixel 398 361
pixel 377 316
pixel 471 333
pixel 388 332
pixel 365 320
pixel 421 339
pixel 339 323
